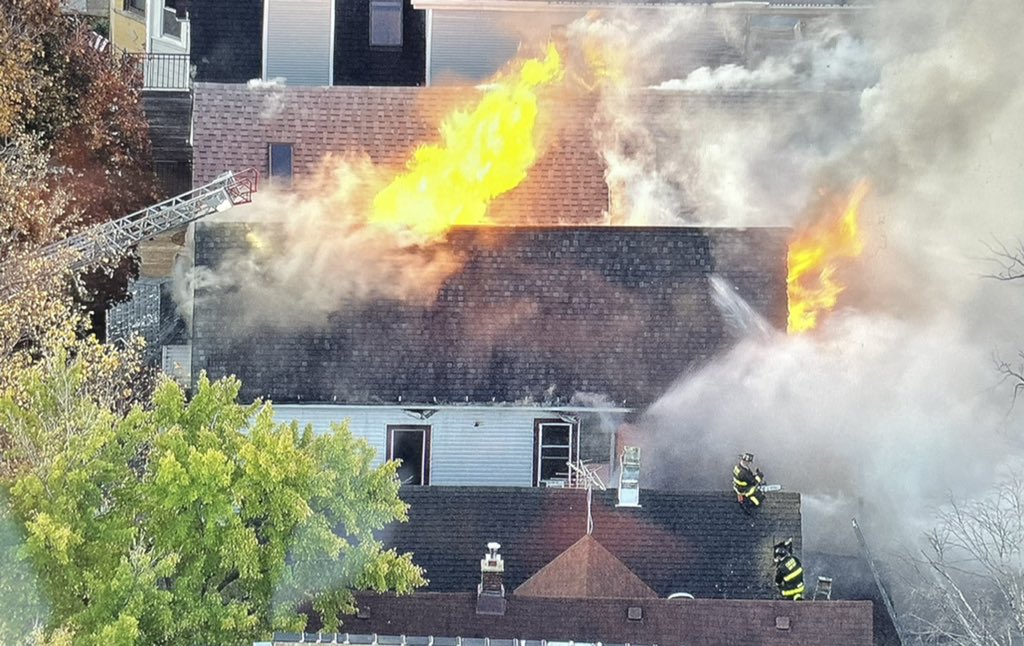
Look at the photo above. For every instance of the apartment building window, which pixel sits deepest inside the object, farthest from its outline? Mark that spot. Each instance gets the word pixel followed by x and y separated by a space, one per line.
pixel 556 443
pixel 386 23
pixel 138 6
pixel 411 445
pixel 170 25
pixel 280 164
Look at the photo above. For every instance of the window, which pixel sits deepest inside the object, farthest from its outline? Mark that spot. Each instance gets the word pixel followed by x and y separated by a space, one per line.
pixel 170 25
pixel 556 442
pixel 386 23
pixel 411 445
pixel 281 164
pixel 138 6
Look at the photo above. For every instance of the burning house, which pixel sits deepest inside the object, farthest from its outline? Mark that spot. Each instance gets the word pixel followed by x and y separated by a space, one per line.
pixel 471 280
pixel 476 351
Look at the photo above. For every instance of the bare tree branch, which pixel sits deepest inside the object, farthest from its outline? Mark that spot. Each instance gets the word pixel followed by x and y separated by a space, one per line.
pixel 1009 259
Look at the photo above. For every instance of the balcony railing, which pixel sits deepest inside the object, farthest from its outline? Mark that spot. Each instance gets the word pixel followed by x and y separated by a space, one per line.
pixel 164 71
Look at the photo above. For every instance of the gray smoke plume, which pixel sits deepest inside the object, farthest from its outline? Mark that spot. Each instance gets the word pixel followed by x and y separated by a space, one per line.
pixel 725 143
pixel 895 402
pixel 311 251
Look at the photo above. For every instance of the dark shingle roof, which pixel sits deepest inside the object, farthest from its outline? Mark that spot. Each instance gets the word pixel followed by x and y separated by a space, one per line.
pixel 694 622
pixel 534 314
pixel 701 543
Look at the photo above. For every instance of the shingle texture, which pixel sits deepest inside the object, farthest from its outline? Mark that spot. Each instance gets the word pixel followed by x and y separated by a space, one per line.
pixel 532 314
pixel 234 125
pixel 585 570
pixel 699 622
pixel 701 543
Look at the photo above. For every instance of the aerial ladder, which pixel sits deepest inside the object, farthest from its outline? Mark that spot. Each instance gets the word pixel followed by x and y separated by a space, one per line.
pixel 109 241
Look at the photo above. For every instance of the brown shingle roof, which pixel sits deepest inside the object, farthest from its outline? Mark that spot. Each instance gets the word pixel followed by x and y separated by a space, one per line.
pixel 693 622
pixel 234 124
pixel 586 571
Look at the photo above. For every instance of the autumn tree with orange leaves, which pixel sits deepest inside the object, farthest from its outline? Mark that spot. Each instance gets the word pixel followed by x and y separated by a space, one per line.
pixel 74 151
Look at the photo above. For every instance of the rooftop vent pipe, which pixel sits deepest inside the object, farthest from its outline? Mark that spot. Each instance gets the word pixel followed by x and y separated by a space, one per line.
pixel 629 477
pixel 490 593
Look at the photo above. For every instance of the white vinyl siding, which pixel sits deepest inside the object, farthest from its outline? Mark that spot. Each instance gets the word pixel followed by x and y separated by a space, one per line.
pixel 298 41
pixel 473 45
pixel 467 447
pixel 158 43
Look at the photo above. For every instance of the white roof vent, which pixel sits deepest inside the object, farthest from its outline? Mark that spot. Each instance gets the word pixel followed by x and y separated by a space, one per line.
pixel 629 477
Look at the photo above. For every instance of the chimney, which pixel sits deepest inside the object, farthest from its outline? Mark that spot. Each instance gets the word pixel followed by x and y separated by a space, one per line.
pixel 629 477
pixel 490 594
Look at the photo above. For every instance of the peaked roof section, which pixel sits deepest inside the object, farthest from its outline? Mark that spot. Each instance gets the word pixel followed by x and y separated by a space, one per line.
pixel 586 571
pixel 234 123
pixel 696 542
pixel 532 315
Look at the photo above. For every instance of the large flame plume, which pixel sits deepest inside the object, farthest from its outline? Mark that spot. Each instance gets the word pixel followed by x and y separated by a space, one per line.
pixel 485 152
pixel 815 254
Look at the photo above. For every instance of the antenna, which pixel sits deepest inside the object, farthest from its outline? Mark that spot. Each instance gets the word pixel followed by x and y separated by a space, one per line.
pixel 586 477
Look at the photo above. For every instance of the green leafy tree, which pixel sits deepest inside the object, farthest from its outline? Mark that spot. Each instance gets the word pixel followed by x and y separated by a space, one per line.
pixel 186 522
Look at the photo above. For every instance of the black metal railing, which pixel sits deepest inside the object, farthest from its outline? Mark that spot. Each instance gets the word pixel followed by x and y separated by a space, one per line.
pixel 164 71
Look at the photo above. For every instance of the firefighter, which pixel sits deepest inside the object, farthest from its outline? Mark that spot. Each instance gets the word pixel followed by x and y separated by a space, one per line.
pixel 745 480
pixel 789 573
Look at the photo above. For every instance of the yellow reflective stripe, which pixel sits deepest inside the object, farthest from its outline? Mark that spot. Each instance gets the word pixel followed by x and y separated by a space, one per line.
pixel 740 483
pixel 794 574
pixel 753 499
pixel 799 590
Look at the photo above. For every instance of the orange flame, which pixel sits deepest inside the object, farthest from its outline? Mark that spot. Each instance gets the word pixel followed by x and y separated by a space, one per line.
pixel 485 152
pixel 815 255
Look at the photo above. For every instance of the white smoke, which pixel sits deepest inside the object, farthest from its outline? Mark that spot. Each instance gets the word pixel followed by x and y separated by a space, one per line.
pixel 895 404
pixel 705 144
pixel 309 253
pixel 828 59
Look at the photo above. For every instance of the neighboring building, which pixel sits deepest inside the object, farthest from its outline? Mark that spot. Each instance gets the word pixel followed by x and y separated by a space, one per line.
pixel 469 40
pixel 697 543
pixel 451 620
pixel 553 579
pixel 309 42
pixel 94 8
pixel 238 127
pixel 159 29
pixel 128 25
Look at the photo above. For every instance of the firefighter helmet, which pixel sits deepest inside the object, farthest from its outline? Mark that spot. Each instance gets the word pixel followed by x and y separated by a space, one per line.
pixel 747 457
